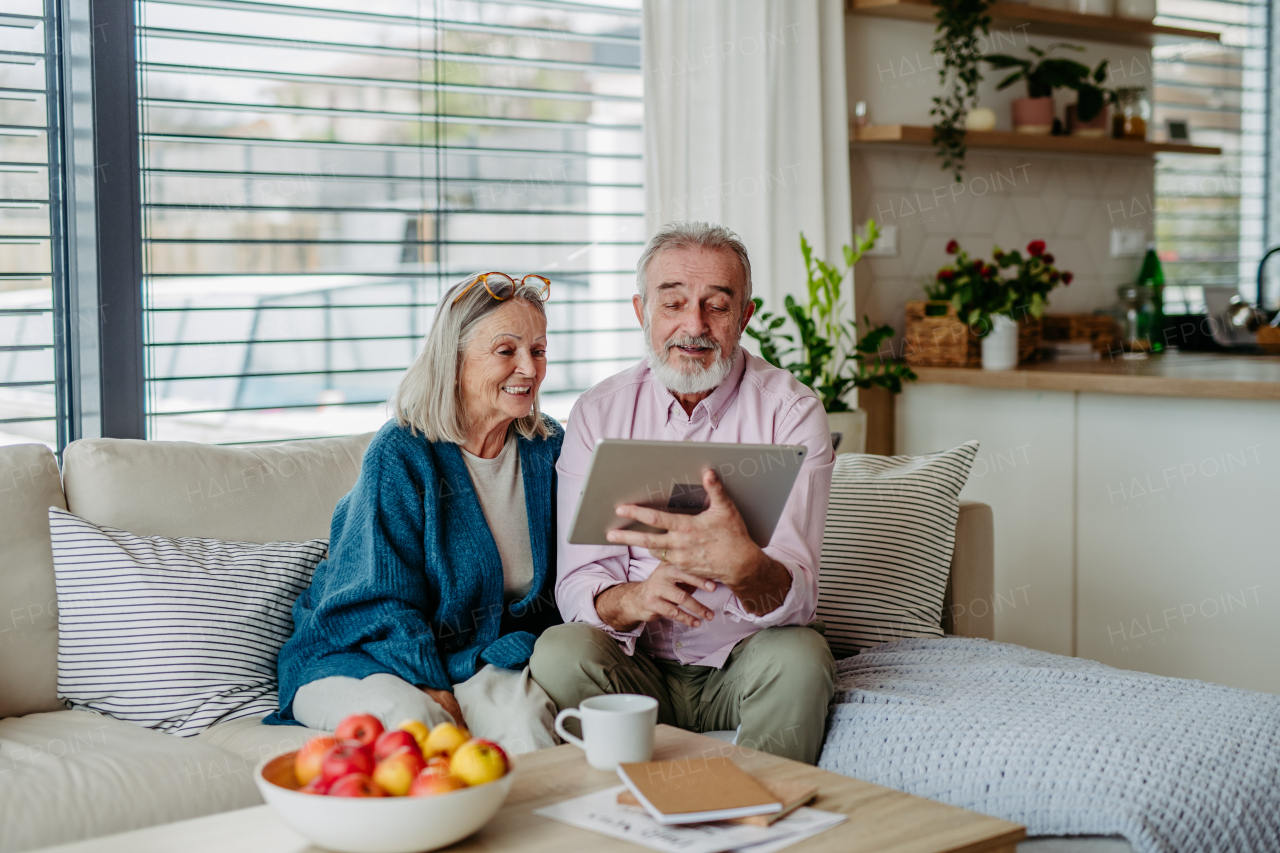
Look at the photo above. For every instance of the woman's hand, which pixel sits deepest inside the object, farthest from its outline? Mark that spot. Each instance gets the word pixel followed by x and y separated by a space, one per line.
pixel 446 700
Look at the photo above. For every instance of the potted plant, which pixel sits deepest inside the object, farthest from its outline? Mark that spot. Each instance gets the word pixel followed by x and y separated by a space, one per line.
pixel 1088 115
pixel 996 299
pixel 956 38
pixel 1043 74
pixel 827 351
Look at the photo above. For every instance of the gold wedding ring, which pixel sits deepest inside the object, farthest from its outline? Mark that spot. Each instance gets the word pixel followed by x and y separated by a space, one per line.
pixel 663 558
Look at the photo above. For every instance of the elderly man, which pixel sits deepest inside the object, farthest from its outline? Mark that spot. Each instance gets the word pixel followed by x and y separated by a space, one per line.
pixel 699 617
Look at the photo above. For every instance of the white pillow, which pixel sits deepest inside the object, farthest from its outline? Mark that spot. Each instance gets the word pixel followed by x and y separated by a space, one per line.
pixel 172 634
pixel 886 552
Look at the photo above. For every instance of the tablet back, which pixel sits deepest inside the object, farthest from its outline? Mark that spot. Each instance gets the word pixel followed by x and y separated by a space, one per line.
pixel 667 475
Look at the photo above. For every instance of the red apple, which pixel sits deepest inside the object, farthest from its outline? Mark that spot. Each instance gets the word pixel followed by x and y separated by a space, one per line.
pixel 356 785
pixel 362 727
pixel 430 783
pixel 479 761
pixel 318 785
pixel 344 759
pixel 389 742
pixel 306 762
pixel 396 772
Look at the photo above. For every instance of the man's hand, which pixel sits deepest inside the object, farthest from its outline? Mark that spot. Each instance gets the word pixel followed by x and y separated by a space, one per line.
pixel 665 594
pixel 446 700
pixel 713 545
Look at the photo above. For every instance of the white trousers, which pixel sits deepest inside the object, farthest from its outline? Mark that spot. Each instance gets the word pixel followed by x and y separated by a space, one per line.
pixel 500 705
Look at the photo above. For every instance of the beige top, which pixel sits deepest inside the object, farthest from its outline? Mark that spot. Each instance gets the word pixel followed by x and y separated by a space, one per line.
pixel 499 484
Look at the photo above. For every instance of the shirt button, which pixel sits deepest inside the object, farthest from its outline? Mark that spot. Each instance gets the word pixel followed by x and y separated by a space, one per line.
pixel 679 645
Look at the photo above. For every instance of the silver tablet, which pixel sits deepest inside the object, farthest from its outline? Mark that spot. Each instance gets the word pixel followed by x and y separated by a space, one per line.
pixel 667 475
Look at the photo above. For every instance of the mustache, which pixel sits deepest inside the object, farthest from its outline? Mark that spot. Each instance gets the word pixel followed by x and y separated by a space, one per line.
pixel 688 341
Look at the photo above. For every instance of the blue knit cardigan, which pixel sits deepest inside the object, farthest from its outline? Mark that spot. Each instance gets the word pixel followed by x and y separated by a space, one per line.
pixel 413 583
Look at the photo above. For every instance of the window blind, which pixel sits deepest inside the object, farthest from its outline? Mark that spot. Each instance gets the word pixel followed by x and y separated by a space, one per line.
pixel 316 174
pixel 29 408
pixel 1210 211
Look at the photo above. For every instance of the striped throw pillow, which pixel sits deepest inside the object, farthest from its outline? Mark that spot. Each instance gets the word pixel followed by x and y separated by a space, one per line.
pixel 172 634
pixel 886 551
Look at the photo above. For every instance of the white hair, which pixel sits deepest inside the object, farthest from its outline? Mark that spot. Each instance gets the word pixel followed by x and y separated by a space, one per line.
pixel 688 235
pixel 429 397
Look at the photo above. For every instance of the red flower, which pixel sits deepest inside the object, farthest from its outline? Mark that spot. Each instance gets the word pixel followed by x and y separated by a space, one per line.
pixel 1035 248
pixel 1048 258
pixel 997 254
pixel 946 275
pixel 1053 276
pixel 953 247
pixel 1066 277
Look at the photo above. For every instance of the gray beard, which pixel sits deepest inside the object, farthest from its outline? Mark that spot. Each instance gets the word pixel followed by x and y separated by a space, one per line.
pixel 696 379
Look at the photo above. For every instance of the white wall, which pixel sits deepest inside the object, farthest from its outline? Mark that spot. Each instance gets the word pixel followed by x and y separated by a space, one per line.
pixel 1007 198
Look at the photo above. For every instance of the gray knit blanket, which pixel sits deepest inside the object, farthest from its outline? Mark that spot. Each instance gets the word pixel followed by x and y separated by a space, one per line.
pixel 1061 745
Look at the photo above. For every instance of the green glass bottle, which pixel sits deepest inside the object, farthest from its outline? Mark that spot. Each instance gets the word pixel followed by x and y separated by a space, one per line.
pixel 1152 275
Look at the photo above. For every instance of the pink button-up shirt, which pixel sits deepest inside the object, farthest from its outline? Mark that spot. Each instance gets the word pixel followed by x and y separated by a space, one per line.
pixel 756 404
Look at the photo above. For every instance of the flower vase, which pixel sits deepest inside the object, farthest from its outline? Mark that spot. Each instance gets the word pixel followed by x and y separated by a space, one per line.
pixel 1000 345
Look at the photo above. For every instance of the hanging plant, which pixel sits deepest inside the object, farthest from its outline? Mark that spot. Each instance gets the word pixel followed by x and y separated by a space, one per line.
pixel 959 22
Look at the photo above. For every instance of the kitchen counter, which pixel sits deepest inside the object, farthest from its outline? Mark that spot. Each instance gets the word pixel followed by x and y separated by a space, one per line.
pixel 1206 375
pixel 1132 501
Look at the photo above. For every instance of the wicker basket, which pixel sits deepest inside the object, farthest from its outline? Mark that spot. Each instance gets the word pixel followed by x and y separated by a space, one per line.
pixel 1098 329
pixel 935 337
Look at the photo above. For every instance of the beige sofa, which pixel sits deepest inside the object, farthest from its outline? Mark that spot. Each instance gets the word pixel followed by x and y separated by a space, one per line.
pixel 67 775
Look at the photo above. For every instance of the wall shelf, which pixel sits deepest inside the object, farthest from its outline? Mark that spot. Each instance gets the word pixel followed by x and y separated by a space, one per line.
pixel 923 135
pixel 1045 22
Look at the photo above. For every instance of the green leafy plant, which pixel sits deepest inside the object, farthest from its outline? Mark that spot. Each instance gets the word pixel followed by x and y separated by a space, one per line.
pixel 1044 73
pixel 1013 285
pixel 1091 95
pixel 827 352
pixel 956 38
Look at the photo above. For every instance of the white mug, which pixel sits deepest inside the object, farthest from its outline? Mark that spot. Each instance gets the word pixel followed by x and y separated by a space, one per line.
pixel 616 728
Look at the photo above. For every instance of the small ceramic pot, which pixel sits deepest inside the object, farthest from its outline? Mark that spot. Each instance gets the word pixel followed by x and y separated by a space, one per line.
pixel 1096 127
pixel 1033 115
pixel 1139 10
pixel 1000 346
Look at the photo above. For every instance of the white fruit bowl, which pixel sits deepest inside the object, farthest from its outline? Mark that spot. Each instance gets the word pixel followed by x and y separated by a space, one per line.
pixel 378 824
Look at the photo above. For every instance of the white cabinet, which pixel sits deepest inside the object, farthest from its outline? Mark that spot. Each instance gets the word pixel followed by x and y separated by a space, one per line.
pixel 1143 532
pixel 1024 471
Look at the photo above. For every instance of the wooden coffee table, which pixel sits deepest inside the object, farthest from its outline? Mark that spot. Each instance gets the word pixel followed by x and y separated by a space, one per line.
pixel 880 819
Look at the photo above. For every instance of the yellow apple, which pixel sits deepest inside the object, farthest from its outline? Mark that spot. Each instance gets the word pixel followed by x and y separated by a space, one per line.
pixel 418 729
pixel 395 773
pixel 444 739
pixel 478 761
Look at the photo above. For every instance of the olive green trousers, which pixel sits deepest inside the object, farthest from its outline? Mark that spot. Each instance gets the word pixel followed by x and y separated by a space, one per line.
pixel 776 685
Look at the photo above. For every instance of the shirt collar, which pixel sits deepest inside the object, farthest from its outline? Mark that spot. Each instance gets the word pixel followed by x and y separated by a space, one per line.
pixel 716 402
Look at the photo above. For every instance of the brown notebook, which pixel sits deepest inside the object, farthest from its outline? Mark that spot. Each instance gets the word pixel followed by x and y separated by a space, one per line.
pixel 792 792
pixel 696 790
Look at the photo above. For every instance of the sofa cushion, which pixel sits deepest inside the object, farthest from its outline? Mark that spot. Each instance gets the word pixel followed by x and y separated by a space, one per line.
pixel 265 493
pixel 252 742
pixel 887 547
pixel 70 775
pixel 173 634
pixel 29 485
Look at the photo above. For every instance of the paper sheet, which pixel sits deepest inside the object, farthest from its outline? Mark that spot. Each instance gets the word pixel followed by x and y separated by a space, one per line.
pixel 600 812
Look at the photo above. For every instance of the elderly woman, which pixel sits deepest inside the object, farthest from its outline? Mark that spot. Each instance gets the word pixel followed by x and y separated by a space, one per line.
pixel 441 565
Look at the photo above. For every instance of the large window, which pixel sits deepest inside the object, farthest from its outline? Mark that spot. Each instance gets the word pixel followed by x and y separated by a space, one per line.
pixel 1211 212
pixel 316 174
pixel 29 407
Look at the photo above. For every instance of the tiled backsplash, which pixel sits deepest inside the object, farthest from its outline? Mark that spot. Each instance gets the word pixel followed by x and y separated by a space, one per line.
pixel 1006 199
